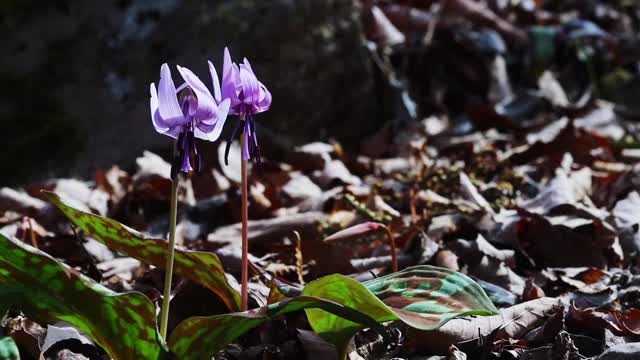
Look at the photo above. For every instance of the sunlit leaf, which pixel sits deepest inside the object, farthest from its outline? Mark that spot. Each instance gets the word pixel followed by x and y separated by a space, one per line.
pixel 202 337
pixel 201 267
pixel 49 291
pixel 355 231
pixel 425 297
pixel 337 307
pixel 8 349
pixel 350 293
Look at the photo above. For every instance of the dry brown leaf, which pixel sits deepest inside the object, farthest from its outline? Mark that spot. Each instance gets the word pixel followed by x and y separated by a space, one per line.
pixel 567 240
pixel 270 230
pixel 456 354
pixel 447 259
pixel 513 322
pixel 489 263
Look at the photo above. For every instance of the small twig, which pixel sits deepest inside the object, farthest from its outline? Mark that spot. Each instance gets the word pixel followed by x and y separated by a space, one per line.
pixel 32 234
pixel 299 260
pixel 392 242
pixel 436 10
pixel 365 211
pixel 24 231
pixel 412 206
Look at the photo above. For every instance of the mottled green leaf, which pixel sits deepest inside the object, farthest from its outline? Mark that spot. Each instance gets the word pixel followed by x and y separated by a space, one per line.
pixel 8 349
pixel 201 267
pixel 49 291
pixel 347 292
pixel 202 337
pixel 337 307
pixel 425 297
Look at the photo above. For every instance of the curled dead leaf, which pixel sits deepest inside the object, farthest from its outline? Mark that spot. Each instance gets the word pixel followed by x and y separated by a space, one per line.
pixel 513 322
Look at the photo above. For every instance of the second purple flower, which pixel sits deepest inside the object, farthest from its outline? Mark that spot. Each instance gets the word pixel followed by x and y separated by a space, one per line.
pixel 248 97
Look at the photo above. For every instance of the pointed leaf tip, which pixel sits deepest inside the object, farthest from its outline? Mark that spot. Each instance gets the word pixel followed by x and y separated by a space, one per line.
pixel 354 231
pixel 201 267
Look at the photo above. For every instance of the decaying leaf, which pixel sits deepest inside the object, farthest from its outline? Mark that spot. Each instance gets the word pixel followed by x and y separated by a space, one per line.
pixel 513 322
pixel 489 264
pixel 553 241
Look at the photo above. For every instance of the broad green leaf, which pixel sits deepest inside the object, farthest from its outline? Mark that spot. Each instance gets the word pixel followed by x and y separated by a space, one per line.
pixel 201 267
pixel 347 292
pixel 49 291
pixel 202 337
pixel 8 349
pixel 425 297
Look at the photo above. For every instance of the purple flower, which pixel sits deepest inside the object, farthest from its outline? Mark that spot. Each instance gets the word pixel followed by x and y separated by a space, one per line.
pixel 248 97
pixel 197 114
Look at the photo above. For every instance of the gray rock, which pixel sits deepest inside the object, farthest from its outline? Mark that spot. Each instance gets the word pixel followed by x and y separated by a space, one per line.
pixel 75 75
pixel 629 351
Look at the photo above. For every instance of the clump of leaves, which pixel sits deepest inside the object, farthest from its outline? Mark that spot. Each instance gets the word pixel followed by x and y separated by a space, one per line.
pixel 337 306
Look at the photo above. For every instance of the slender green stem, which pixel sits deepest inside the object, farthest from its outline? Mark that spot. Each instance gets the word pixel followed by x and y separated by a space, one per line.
pixel 164 317
pixel 343 352
pixel 245 239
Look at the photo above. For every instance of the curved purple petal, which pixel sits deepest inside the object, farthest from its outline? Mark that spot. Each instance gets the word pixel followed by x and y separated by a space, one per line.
pixel 211 132
pixel 246 63
pixel 237 89
pixel 173 131
pixel 265 99
pixel 228 77
pixel 158 124
pixel 168 106
pixel 206 105
pixel 201 131
pixel 250 86
pixel 217 94
pixel 161 126
pixel 190 105
pixel 241 86
pixel 223 111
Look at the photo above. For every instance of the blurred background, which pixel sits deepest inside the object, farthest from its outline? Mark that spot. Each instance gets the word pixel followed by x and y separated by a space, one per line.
pixel 75 74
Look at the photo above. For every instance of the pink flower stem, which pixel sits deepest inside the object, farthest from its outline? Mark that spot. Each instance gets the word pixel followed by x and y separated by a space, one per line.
pixel 245 239
pixel 392 242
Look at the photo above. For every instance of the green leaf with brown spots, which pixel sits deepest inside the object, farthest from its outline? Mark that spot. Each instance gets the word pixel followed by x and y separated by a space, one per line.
pixel 201 267
pixel 425 297
pixel 202 337
pixel 347 292
pixel 49 291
